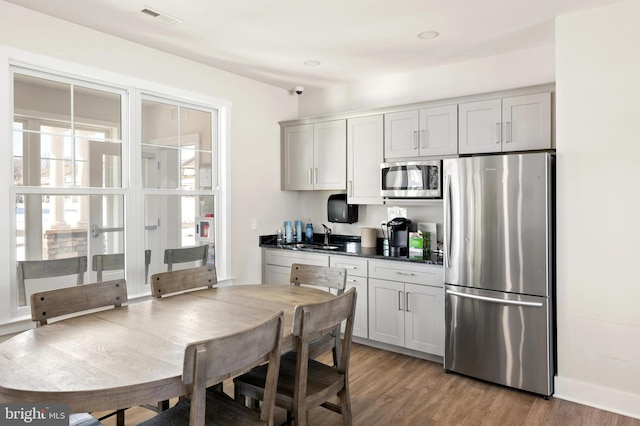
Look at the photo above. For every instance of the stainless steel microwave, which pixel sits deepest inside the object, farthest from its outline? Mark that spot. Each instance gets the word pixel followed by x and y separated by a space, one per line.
pixel 411 179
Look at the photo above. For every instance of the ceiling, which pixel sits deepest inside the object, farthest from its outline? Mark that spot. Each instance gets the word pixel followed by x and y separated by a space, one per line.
pixel 269 40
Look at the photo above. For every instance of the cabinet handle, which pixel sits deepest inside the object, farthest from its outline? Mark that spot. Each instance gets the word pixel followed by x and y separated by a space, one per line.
pixel 352 281
pixel 415 139
pixel 410 274
pixel 423 139
pixel 498 129
pixel 507 132
pixel 350 188
pixel 407 302
pixel 315 175
pixel 400 300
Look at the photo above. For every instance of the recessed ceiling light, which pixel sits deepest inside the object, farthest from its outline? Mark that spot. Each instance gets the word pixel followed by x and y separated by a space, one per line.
pixel 312 63
pixel 428 35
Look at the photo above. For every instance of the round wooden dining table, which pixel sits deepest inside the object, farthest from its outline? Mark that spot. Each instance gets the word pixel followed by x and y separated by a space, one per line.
pixel 133 355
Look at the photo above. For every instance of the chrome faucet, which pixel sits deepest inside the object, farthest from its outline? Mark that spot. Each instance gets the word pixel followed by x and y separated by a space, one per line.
pixel 327 232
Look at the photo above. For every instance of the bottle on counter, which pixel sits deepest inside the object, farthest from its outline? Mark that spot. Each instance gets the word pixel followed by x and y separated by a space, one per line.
pixel 308 232
pixel 298 230
pixel 288 232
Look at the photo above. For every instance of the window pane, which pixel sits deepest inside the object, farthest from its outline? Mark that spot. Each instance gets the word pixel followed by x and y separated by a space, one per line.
pixel 97 107
pixel 159 124
pixel 44 99
pixel 98 163
pixel 56 156
pixel 170 222
pixel 195 122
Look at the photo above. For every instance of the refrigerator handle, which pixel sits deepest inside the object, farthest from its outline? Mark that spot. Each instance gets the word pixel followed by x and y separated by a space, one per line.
pixel 447 219
pixel 494 300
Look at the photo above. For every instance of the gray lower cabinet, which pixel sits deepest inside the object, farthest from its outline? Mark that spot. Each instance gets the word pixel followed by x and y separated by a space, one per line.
pixel 356 278
pixel 399 303
pixel 406 304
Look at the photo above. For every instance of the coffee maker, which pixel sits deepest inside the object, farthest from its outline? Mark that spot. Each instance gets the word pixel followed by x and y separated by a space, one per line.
pixel 398 231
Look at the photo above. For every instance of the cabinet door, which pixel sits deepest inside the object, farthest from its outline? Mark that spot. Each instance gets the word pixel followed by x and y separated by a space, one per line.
pixel 274 274
pixel 360 324
pixel 365 152
pixel 356 278
pixel 330 155
pixel 526 122
pixel 298 157
pixel 424 320
pixel 439 130
pixel 386 311
pixel 401 134
pixel 480 126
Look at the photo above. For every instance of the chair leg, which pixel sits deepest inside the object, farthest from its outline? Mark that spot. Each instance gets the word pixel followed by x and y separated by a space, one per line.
pixel 345 404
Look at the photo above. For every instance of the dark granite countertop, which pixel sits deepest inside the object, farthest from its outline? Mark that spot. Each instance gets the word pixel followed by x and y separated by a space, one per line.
pixel 348 245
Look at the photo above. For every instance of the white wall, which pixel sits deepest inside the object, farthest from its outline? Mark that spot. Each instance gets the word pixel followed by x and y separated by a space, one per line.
pixel 598 145
pixel 254 131
pixel 512 70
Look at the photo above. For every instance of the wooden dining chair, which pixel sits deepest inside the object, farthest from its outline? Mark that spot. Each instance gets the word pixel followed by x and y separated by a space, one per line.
pixel 304 383
pixel 74 300
pixel 115 262
pixel 329 278
pixel 70 300
pixel 186 254
pixel 34 269
pixel 165 283
pixel 214 360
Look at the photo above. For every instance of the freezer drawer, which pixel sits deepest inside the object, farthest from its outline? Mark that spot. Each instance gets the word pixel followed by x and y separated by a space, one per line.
pixel 499 337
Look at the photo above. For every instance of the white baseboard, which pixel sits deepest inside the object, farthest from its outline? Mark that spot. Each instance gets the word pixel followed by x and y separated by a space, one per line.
pixel 608 399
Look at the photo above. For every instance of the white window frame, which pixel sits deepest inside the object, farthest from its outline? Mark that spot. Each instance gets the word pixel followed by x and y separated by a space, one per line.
pixel 14 319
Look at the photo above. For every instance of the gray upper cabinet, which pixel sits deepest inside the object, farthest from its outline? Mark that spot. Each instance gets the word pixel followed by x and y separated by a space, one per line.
pixel 315 156
pixel 365 140
pixel 517 123
pixel 421 133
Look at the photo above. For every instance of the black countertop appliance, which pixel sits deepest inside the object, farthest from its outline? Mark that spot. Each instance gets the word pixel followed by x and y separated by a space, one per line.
pixel 398 230
pixel 338 211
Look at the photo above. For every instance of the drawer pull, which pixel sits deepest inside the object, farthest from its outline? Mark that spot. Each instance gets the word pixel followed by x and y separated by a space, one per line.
pixel 410 274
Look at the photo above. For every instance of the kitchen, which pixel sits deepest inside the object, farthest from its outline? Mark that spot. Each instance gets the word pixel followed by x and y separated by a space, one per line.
pixel 596 84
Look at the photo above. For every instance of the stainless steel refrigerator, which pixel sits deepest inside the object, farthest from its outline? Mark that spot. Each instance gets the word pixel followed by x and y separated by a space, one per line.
pixel 499 269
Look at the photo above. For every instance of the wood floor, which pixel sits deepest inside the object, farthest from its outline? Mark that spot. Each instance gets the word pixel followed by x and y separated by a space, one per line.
pixel 393 389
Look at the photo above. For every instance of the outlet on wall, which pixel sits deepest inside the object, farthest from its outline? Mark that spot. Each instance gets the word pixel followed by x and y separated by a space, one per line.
pixel 254 223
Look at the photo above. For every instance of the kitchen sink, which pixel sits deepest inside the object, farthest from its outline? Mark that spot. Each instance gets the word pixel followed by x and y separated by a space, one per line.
pixel 316 246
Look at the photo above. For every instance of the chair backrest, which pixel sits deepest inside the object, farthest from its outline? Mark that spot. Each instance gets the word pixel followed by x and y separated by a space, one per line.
pixel 311 321
pixel 322 276
pixel 114 262
pixel 165 283
pixel 185 254
pixel 63 301
pixel 211 361
pixel 33 269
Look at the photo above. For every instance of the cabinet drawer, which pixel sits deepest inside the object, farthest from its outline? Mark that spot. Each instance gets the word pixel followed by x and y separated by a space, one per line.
pixel 407 272
pixel 287 258
pixel 355 266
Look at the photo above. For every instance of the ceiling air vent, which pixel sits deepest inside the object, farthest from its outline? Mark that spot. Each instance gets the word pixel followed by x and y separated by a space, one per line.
pixel 156 14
